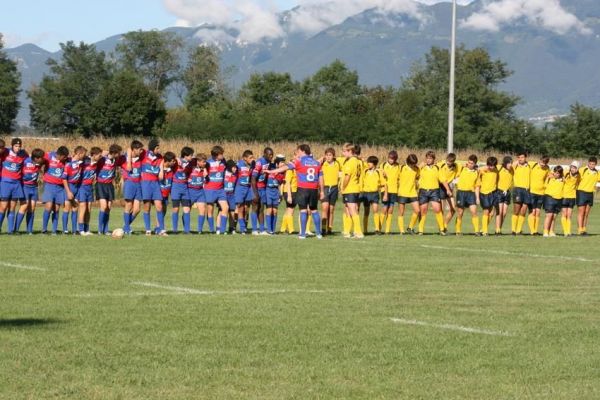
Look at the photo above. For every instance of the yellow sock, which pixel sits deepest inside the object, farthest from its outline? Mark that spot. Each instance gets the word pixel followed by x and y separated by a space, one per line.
pixel 413 220
pixel 531 223
pixel 563 223
pixel 388 224
pixel 381 219
pixel 284 224
pixel 422 223
pixel 346 223
pixel 290 224
pixel 485 220
pixel 568 224
pixel 401 224
pixel 520 223
pixel 546 232
pixel 514 222
pixel 475 221
pixel 439 217
pixel 356 224
pixel 536 225
pixel 377 221
pixel 458 225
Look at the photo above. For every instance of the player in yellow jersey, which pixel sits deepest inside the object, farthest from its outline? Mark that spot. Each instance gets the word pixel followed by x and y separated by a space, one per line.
pixel 505 182
pixel 553 199
pixel 290 188
pixel 391 174
pixel 521 179
pixel 467 194
pixel 449 171
pixel 585 193
pixel 372 183
pixel 488 193
pixel 537 187
pixel 569 196
pixel 331 175
pixel 407 193
pixel 430 181
pixel 352 171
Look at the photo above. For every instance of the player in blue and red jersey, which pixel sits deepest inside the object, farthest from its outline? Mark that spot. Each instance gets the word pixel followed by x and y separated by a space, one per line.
pixel 11 186
pixel 73 175
pixel 105 189
pixel 310 186
pixel 273 194
pixel 196 181
pixel 131 173
pixel 85 194
pixel 180 195
pixel 243 188
pixel 231 178
pixel 31 174
pixel 214 189
pixel 166 183
pixel 152 174
pixel 54 186
pixel 259 184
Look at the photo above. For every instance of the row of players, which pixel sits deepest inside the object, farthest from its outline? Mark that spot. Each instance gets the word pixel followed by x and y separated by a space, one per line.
pixel 252 189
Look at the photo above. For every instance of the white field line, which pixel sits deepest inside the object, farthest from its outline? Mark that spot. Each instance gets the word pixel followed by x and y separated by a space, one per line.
pixel 451 327
pixel 17 266
pixel 508 253
pixel 184 290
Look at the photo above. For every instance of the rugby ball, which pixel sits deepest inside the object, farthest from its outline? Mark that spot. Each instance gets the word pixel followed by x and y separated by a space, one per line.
pixel 118 233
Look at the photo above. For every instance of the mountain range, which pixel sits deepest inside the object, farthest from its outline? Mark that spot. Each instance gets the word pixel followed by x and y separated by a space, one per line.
pixel 551 70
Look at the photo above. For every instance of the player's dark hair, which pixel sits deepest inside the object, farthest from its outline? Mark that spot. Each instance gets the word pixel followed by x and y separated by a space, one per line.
pixel 393 155
pixel 95 150
pixel 593 159
pixel 37 154
pixel 373 160
pixel 305 149
pixel 230 164
pixel 545 159
pixel 62 151
pixel 79 150
pixel 430 154
pixel 169 156
pixel 186 152
pixel 350 147
pixel 267 150
pixel 560 170
pixel 216 151
pixel 357 149
pixel 473 158
pixel 451 157
pixel 507 160
pixel 115 149
pixel 522 152
pixel 136 144
pixel 153 144
pixel 247 153
pixel 412 160
pixel 330 150
pixel 201 156
pixel 16 141
pixel 491 161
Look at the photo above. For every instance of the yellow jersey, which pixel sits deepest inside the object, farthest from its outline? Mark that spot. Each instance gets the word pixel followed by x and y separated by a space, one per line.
pixel 352 168
pixel 571 183
pixel 430 177
pixel 589 179
pixel 468 179
pixel 372 181
pixel 489 180
pixel 290 177
pixel 448 174
pixel 391 174
pixel 331 173
pixel 505 178
pixel 408 181
pixel 522 175
pixel 554 188
pixel 538 178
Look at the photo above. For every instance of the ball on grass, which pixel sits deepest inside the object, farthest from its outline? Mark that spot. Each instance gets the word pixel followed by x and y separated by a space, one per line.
pixel 118 233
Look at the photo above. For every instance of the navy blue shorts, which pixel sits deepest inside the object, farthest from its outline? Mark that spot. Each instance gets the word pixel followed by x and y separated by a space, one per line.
pixel 132 191
pixel 521 196
pixel 273 198
pixel 331 195
pixel 151 191
pixel 308 198
pixel 392 199
pixel 352 198
pixel 231 201
pixel 180 192
pixel 427 196
pixel 503 197
pixel 85 194
pixel 11 190
pixel 53 194
pixel 489 200
pixel 31 193
pixel 214 196
pixel 407 200
pixel 74 188
pixel 369 198
pixel 465 199
pixel 585 198
pixel 552 205
pixel 294 203
pixel 443 193
pixel 262 195
pixel 243 194
pixel 569 203
pixel 197 196
pixel 536 201
pixel 106 191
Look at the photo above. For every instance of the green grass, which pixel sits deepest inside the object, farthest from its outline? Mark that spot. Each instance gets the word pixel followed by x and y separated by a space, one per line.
pixel 299 319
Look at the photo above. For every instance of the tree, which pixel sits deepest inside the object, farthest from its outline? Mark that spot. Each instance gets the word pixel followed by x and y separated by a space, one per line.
pixel 153 55
pixel 10 80
pixel 125 106
pixel 335 79
pixel 64 100
pixel 202 77
pixel 269 88
pixel 577 134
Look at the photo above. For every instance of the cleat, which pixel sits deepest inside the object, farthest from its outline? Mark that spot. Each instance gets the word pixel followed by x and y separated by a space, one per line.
pixel 255 233
pixel 319 236
pixel 546 235
pixel 301 237
pixel 479 234
pixel 148 233
pixel 485 234
pixel 361 236
pixel 420 233
pixel 163 233
pixel 264 233
pixel 347 236
pixel 514 233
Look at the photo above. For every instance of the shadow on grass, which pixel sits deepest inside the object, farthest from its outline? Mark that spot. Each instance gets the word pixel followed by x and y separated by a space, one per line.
pixel 24 323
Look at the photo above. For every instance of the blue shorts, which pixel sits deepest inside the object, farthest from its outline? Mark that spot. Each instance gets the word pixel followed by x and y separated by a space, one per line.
pixel 536 200
pixel 273 198
pixel 392 199
pixel 351 198
pixel 243 194
pixel 197 196
pixel 74 188
pixel 407 200
pixel 503 197
pixel 369 198
pixel 180 193
pixel 521 196
pixel 552 205
pixel 489 200
pixel 85 194
pixel 331 195
pixel 105 191
pixel 262 195
pixel 569 203
pixel 11 190
pixel 443 193
pixel 151 191
pixel 585 198
pixel 53 194
pixel 31 193
pixel 214 196
pixel 465 199
pixel 132 191
pixel 429 195
pixel 231 201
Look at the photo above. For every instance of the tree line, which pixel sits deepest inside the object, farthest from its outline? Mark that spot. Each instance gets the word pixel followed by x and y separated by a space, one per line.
pixel 88 92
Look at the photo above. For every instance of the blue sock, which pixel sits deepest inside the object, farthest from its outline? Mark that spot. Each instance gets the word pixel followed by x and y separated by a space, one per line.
pixel 274 221
pixel 186 222
pixel 262 225
pixel 101 222
pixel 269 219
pixel 45 220
pixel 242 222
pixel 74 221
pixel 20 218
pixel 175 221
pixel 317 221
pixel 81 227
pixel 161 221
pixel 147 221
pixel 55 221
pixel 254 220
pixel 211 224
pixel 1 220
pixel 11 222
pixel 106 219
pixel 29 219
pixel 65 221
pixel 126 223
pixel 201 223
pixel 223 223
pixel 86 227
pixel 303 221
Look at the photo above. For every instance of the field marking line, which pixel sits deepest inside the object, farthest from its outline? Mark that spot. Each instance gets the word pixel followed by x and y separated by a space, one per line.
pixel 451 327
pixel 184 290
pixel 508 253
pixel 18 266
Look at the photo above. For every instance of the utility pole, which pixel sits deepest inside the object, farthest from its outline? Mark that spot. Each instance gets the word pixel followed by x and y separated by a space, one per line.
pixel 452 81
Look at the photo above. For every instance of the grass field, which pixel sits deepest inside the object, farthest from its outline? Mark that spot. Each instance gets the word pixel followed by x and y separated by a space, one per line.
pixel 210 317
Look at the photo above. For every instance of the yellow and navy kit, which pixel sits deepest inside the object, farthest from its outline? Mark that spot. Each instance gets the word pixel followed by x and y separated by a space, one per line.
pixel 555 187
pixel 372 181
pixel 290 177
pixel 448 174
pixel 352 168
pixel 589 180
pixel 391 174
pixel 331 173
pixel 468 179
pixel 408 181
pixel 505 178
pixel 488 178
pixel 538 178
pixel 522 175
pixel 571 183
pixel 430 177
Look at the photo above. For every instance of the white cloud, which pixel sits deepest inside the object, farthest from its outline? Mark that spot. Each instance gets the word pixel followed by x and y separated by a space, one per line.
pixel 548 14
pixel 12 40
